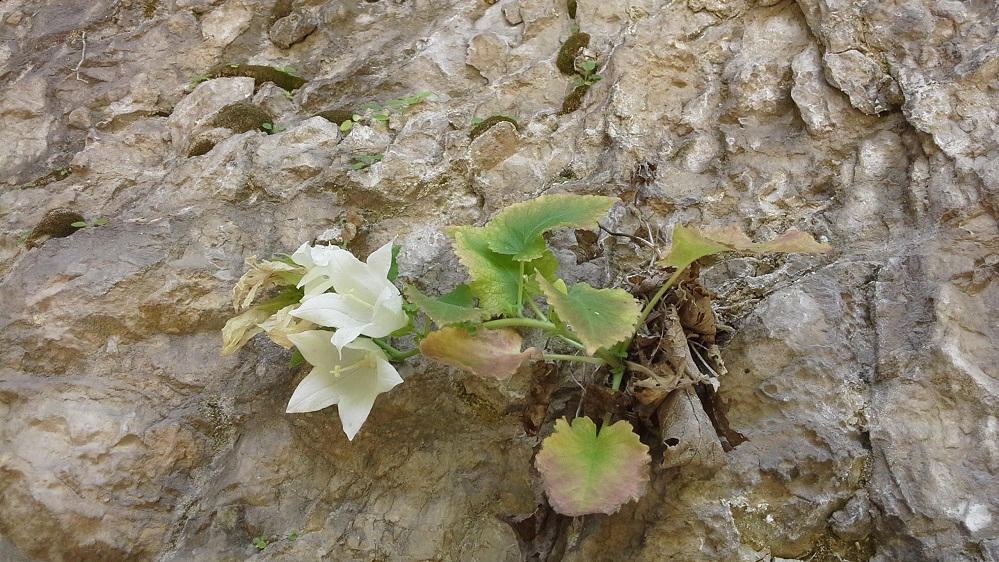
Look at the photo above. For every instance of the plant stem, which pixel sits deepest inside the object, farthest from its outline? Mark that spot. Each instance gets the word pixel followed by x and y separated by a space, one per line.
pixel 393 353
pixel 659 295
pixel 523 322
pixel 577 358
pixel 534 306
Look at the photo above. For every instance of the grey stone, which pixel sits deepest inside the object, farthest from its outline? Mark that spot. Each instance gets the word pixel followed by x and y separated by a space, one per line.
pixel 870 89
pixel 291 29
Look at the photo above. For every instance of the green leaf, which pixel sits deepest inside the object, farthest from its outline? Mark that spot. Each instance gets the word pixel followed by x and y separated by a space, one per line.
pixel 454 308
pixel 585 472
pixel 489 353
pixel 517 230
pixel 346 125
pixel 100 222
pixel 78 224
pixel 496 277
pixel 690 244
pixel 600 317
pixel 380 117
pixel 393 272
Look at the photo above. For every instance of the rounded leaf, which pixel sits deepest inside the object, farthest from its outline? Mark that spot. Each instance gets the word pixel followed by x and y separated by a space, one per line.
pixel 586 472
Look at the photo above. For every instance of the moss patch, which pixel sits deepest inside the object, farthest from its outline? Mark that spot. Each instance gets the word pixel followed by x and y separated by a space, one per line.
pixel 241 117
pixel 336 116
pixel 487 123
pixel 566 59
pixel 571 6
pixel 574 100
pixel 260 75
pixel 57 223
pixel 200 147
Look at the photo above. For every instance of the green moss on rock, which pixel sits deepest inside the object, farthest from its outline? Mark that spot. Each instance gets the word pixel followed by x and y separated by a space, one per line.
pixel 571 7
pixel 260 75
pixel 566 59
pixel 200 147
pixel 487 123
pixel 574 100
pixel 56 223
pixel 241 117
pixel 336 116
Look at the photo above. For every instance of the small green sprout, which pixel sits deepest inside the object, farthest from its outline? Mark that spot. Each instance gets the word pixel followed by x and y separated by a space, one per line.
pixel 362 161
pixel 270 128
pixel 586 75
pixel 85 224
pixel 292 535
pixel 262 541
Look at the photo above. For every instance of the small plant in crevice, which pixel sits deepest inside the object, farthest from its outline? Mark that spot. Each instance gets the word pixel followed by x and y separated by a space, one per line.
pixel 587 74
pixel 280 77
pixel 270 128
pixel 345 317
pixel 361 161
pixel 375 112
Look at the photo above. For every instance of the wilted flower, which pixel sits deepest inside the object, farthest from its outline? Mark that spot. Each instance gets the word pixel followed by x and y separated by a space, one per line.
pixel 365 303
pixel 350 377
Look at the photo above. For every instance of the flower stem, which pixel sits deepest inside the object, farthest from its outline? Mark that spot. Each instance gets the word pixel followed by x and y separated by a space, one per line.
pixel 393 353
pixel 577 358
pixel 522 322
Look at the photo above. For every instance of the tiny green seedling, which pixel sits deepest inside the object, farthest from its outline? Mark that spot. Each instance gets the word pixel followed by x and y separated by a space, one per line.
pixel 270 128
pixel 587 75
pixel 292 535
pixel 362 161
pixel 262 541
pixel 93 223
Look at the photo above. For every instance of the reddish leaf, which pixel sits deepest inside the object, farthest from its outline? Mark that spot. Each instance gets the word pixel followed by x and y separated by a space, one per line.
pixel 488 353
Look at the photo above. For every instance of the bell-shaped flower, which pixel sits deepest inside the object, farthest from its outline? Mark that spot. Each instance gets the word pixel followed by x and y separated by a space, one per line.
pixel 365 303
pixel 351 378
pixel 316 260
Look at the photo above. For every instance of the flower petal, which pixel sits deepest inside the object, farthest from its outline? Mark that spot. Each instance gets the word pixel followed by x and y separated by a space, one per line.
pixel 316 348
pixel 380 261
pixel 318 390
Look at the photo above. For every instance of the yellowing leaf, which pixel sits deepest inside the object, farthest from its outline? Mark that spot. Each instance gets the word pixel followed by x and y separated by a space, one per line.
pixel 600 317
pixel 585 472
pixel 453 308
pixel 238 330
pixel 489 353
pixel 495 277
pixel 517 230
pixel 689 244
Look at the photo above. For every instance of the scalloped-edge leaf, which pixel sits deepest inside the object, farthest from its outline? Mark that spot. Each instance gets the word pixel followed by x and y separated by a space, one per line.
pixel 488 353
pixel 600 317
pixel 453 308
pixel 690 244
pixel 495 277
pixel 586 472
pixel 517 230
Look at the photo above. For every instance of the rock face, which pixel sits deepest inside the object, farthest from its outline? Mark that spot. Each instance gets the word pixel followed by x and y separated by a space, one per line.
pixel 865 382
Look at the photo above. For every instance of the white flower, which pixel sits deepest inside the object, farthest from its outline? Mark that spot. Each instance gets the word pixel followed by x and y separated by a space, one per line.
pixel 365 303
pixel 351 378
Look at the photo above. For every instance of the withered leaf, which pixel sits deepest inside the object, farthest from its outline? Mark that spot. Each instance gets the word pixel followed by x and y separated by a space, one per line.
pixel 684 425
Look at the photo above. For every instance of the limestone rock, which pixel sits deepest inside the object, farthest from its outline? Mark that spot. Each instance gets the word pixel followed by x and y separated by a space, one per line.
pixel 870 89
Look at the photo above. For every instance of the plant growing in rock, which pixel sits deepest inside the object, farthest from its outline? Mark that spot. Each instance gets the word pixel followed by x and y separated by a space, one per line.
pixel 341 315
pixel 362 161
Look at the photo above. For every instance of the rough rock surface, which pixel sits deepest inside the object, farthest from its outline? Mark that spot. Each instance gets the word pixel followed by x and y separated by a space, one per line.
pixel 865 381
